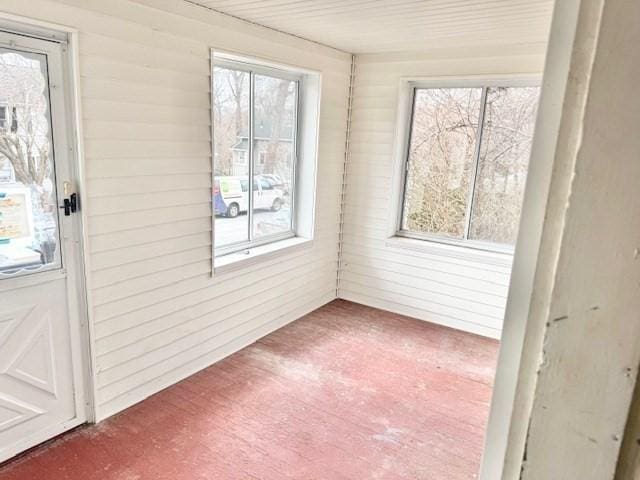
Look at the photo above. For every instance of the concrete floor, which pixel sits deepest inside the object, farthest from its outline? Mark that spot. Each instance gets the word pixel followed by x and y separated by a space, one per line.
pixel 347 392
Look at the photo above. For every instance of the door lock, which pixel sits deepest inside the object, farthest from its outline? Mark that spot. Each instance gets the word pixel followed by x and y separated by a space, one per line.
pixel 70 205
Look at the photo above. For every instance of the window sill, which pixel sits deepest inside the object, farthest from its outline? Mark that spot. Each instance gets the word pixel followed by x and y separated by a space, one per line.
pixel 251 256
pixel 503 259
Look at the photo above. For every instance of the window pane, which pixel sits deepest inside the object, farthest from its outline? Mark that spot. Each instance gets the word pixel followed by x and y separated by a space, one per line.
pixel 504 158
pixel 440 161
pixel 28 205
pixel 274 153
pixel 231 155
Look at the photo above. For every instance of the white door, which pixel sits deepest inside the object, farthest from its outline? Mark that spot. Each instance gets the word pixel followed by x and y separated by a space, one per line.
pixel 41 390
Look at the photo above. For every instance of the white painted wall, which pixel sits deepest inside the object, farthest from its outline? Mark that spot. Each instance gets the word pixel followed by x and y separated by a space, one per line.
pixel 156 313
pixel 458 287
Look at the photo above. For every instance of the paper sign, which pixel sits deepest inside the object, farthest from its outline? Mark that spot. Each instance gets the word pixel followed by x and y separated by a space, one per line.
pixel 14 215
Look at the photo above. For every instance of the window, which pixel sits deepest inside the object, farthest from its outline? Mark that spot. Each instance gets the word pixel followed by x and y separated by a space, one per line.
pixel 466 164
pixel 255 117
pixel 29 214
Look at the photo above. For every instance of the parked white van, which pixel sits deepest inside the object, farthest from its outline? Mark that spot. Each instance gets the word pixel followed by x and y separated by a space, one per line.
pixel 231 195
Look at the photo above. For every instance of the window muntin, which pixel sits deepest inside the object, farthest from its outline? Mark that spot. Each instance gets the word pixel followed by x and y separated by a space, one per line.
pixel 466 164
pixel 254 137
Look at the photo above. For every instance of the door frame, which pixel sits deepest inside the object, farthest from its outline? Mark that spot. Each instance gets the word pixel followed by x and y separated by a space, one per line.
pixel 524 323
pixel 81 332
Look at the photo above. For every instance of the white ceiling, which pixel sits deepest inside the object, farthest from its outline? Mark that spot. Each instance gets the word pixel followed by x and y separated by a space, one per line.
pixel 372 26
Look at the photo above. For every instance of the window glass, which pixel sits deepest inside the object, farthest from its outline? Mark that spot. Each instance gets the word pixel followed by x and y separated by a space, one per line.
pixel 509 121
pixel 440 160
pixel 28 205
pixel 467 162
pixel 230 145
pixel 254 130
pixel 274 137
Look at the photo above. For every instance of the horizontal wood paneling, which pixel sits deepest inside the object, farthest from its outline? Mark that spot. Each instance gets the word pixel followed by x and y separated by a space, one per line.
pixel 157 313
pixel 145 346
pixel 462 291
pixel 212 350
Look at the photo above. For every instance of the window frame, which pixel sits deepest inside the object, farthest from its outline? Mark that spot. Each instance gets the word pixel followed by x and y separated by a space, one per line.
pixel 219 60
pixel 406 115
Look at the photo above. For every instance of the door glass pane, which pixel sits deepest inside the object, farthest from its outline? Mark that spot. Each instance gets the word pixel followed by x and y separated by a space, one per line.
pixel 440 160
pixel 274 154
pixel 29 239
pixel 504 159
pixel 231 155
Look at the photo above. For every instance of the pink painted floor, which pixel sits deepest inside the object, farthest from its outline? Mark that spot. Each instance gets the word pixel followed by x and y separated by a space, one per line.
pixel 347 392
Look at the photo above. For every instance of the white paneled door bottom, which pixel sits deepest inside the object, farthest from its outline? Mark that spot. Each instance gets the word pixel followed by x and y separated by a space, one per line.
pixel 36 381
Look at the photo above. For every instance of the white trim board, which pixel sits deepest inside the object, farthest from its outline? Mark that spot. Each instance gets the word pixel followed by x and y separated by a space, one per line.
pixel 532 276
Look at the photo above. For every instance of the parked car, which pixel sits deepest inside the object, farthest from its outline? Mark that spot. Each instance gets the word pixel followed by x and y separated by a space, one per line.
pixel 231 195
pixel 276 181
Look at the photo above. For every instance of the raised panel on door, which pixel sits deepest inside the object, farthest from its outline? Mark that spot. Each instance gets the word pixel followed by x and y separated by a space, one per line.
pixel 36 385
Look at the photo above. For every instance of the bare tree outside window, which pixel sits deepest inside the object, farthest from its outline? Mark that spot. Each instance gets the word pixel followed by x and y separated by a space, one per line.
pixel 28 217
pixel 274 140
pixel 507 134
pixel 24 140
pixel 230 118
pixel 467 162
pixel 441 156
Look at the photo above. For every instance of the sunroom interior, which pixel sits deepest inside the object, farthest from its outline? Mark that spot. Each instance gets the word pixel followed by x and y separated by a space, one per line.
pixel 258 239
